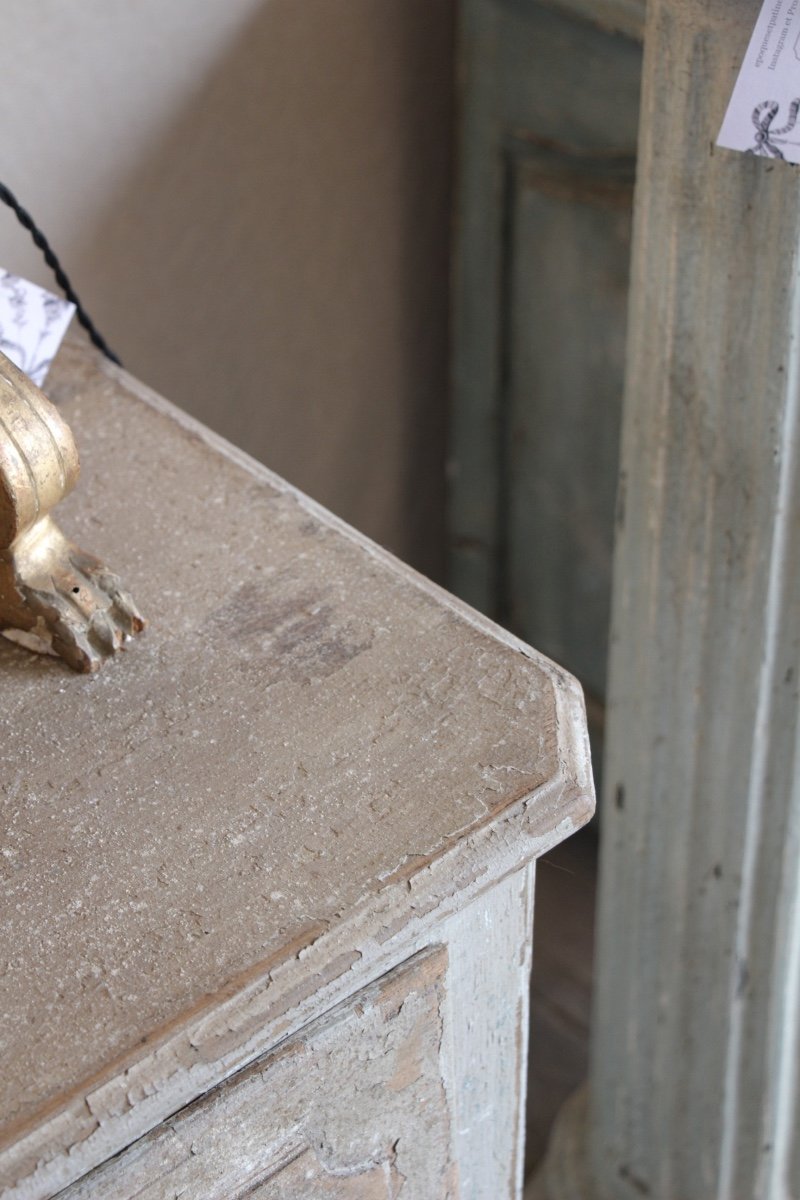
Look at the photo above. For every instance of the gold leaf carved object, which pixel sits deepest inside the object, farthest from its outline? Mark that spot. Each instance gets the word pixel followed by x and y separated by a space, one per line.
pixel 54 597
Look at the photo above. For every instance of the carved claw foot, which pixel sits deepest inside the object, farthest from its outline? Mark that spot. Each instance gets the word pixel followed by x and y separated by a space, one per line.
pixel 54 597
pixel 69 603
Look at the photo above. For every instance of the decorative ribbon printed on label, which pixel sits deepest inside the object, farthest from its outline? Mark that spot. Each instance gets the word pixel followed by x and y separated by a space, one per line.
pixel 762 116
pixel 32 324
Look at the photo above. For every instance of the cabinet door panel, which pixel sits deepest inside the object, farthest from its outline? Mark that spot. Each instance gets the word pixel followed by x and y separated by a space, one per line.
pixel 550 98
pixel 304 1177
pixel 352 1108
pixel 569 279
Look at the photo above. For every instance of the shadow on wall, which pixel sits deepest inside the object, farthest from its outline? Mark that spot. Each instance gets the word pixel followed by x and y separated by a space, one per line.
pixel 278 263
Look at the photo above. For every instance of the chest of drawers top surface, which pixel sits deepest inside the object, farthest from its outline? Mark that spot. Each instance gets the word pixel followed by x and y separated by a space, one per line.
pixel 305 752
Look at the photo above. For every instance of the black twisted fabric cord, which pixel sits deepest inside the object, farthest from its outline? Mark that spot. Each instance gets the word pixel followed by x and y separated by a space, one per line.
pixel 26 220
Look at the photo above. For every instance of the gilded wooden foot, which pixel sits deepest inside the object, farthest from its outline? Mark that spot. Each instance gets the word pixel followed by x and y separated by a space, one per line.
pixel 54 597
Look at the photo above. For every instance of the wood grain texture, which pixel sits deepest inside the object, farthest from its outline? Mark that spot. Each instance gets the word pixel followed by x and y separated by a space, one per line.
pixel 312 759
pixel 353 1107
pixel 695 1081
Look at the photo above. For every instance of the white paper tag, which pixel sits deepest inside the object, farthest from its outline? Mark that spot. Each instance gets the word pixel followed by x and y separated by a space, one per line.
pixel 32 324
pixel 762 117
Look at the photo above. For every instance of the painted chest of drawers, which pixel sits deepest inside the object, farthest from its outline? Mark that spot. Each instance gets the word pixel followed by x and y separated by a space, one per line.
pixel 266 882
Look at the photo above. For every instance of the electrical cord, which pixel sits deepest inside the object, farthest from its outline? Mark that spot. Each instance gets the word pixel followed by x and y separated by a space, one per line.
pixel 27 221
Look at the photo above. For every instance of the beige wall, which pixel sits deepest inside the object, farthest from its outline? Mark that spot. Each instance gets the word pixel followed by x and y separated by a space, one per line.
pixel 252 198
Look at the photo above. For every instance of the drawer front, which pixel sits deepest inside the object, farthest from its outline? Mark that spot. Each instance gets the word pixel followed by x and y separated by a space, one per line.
pixel 353 1108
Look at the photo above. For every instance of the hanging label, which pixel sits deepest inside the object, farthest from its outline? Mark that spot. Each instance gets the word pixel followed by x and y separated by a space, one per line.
pixel 762 117
pixel 32 324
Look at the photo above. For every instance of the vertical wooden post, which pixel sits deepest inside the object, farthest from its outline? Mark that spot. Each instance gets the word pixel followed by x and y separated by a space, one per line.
pixel 694 1089
pixel 486 1033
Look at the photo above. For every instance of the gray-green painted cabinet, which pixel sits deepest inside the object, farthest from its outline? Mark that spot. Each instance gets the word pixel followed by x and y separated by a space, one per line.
pixel 549 111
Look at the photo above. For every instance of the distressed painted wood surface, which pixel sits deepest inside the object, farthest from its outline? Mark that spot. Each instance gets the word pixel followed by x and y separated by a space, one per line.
pixel 310 761
pixel 548 144
pixel 695 1085
pixel 352 1107
pixel 489 950
pixel 415 1083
